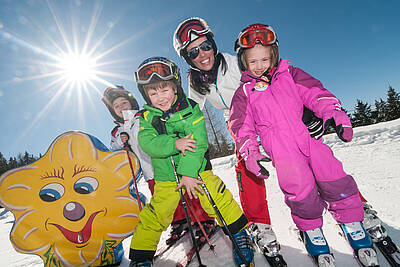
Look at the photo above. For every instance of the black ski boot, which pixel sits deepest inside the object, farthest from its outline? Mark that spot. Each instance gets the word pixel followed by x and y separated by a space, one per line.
pixel 178 228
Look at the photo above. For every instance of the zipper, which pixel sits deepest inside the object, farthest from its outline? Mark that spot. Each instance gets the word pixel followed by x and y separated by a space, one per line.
pixel 219 93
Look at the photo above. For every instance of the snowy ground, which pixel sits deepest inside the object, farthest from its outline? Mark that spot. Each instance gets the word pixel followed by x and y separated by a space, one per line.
pixel 373 158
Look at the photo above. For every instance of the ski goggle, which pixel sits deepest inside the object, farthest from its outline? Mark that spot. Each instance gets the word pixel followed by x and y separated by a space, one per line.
pixel 256 33
pixel 196 25
pixel 146 72
pixel 111 93
pixel 195 51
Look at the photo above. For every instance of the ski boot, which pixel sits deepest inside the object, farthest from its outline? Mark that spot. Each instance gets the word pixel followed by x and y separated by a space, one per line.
pixel 265 240
pixel 361 243
pixel 178 228
pixel 373 224
pixel 147 263
pixel 243 241
pixel 317 247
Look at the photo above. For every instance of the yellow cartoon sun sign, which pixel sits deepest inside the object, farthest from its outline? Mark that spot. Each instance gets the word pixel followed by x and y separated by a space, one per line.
pixel 72 206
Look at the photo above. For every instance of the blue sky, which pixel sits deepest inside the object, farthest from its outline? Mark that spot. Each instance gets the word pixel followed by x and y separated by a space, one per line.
pixel 351 46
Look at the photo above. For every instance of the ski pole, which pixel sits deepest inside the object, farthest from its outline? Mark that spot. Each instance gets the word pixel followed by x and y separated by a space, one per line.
pixel 189 221
pixel 212 246
pixel 133 176
pixel 235 245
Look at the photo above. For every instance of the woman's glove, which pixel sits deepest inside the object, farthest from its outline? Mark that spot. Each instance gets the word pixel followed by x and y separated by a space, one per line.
pixel 254 162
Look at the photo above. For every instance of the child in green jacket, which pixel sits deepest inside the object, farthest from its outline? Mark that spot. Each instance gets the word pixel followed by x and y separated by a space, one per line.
pixel 173 125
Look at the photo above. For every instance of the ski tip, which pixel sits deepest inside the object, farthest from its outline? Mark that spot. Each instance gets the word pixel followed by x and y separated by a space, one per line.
pixel 212 248
pixel 326 260
pixel 367 257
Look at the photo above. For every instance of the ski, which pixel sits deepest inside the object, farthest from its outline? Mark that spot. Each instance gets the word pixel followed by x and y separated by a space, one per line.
pixel 251 264
pixel 364 255
pixel 390 251
pixel 324 260
pixel 383 242
pixel 269 249
pixel 201 242
pixel 276 259
pixel 190 255
pixel 385 245
pixel 166 247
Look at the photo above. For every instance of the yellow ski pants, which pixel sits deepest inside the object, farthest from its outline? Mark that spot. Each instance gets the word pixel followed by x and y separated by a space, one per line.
pixel 157 215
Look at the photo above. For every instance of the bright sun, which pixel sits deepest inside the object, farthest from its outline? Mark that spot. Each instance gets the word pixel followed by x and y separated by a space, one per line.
pixel 77 67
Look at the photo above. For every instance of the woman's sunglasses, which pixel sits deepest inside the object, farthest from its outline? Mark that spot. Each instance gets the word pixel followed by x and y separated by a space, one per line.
pixel 195 51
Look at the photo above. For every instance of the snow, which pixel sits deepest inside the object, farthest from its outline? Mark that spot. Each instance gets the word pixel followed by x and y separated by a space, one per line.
pixel 372 158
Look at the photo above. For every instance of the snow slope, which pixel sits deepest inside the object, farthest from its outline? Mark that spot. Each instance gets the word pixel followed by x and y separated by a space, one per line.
pixel 373 158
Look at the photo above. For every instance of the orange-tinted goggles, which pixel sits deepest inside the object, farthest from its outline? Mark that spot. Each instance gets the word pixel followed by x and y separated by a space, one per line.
pixel 162 70
pixel 250 37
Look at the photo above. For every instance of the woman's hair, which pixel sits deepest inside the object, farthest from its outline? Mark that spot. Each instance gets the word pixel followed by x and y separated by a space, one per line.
pixel 274 56
pixel 160 84
pixel 200 80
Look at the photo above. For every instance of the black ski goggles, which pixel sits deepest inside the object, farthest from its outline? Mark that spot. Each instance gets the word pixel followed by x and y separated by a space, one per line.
pixel 195 51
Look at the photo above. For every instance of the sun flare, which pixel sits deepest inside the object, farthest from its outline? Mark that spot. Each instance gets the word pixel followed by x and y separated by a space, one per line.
pixel 77 67
pixel 72 60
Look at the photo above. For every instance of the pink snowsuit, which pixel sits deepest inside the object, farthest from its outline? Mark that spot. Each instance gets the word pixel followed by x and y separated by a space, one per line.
pixel 309 175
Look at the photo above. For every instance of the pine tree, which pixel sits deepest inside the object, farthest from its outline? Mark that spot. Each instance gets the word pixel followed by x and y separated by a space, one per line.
pixel 20 160
pixel 219 144
pixel 12 163
pixel 3 164
pixel 378 115
pixel 393 105
pixel 362 115
pixel 28 158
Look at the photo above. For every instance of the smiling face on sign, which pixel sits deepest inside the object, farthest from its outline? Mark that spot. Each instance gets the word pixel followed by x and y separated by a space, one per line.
pixel 73 205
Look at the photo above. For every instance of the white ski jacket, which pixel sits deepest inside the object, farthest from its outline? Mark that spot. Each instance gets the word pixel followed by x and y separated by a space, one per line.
pixel 221 94
pixel 131 127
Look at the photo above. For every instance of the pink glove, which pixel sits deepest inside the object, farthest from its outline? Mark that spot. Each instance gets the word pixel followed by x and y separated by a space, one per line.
pixel 253 164
pixel 341 123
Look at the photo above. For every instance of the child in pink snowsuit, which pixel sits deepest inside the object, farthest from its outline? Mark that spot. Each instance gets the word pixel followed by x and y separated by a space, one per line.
pixel 269 105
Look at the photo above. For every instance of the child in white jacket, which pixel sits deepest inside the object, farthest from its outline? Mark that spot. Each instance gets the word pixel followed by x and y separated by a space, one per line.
pixel 123 107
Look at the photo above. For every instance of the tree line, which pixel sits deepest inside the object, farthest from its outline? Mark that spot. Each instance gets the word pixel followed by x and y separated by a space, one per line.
pixel 14 162
pixel 387 110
